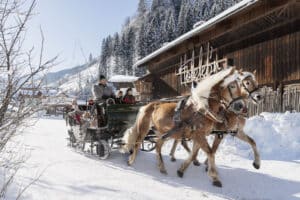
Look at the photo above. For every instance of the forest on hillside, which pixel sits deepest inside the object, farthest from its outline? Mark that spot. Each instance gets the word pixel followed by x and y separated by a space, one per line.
pixel 155 23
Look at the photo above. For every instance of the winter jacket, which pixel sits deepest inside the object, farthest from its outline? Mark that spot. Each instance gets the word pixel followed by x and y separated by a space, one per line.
pixel 129 99
pixel 102 92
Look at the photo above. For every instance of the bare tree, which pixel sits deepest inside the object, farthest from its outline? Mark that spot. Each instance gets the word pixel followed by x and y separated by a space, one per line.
pixel 19 69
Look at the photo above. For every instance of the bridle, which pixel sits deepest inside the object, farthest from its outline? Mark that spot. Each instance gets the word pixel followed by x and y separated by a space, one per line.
pixel 255 89
pixel 227 104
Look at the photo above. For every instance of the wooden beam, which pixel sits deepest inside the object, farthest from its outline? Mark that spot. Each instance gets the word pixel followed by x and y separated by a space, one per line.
pixel 256 34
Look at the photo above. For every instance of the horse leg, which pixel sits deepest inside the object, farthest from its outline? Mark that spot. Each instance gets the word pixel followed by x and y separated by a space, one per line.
pixel 216 143
pixel 172 152
pixel 192 156
pixel 212 171
pixel 186 147
pixel 133 155
pixel 244 137
pixel 160 160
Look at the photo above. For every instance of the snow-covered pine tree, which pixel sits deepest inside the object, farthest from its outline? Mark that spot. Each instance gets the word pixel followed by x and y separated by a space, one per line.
pixel 130 37
pixel 205 11
pixel 189 16
pixel 169 29
pixel 123 53
pixel 197 11
pixel 150 28
pixel 181 19
pixel 152 35
pixel 103 57
pixel 142 8
pixel 176 6
pixel 215 8
pixel 116 53
pixel 155 5
pixel 185 19
pixel 141 46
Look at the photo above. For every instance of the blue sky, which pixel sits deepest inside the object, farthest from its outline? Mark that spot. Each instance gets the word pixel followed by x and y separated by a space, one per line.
pixel 72 25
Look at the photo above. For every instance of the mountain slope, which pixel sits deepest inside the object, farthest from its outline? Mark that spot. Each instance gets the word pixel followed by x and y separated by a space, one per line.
pixel 75 81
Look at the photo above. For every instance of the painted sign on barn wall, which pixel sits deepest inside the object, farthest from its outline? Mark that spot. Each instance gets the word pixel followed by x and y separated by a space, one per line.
pixel 201 62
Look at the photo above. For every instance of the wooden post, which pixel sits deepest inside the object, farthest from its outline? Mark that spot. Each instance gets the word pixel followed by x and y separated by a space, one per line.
pixel 281 97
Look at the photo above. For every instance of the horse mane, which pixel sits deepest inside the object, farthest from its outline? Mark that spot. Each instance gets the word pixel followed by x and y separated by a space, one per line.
pixel 202 91
pixel 233 77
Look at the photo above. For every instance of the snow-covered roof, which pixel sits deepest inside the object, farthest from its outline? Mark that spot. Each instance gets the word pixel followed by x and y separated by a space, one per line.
pixel 81 102
pixel 223 15
pixel 123 79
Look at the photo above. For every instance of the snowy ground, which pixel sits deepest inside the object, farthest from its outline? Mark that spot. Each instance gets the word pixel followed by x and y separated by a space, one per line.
pixel 68 174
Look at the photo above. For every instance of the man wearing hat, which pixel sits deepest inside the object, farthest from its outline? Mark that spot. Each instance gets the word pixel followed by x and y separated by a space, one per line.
pixel 101 93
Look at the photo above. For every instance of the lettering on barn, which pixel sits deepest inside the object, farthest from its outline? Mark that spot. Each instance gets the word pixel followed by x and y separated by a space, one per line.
pixel 199 66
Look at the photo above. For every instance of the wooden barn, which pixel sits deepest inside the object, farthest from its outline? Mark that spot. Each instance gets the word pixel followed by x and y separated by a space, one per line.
pixel 261 35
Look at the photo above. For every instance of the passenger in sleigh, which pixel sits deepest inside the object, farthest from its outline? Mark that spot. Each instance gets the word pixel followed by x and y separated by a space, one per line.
pixel 119 98
pixel 129 98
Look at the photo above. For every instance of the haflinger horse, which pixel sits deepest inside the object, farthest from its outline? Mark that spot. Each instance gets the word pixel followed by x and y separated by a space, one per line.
pixel 233 122
pixel 238 122
pixel 212 94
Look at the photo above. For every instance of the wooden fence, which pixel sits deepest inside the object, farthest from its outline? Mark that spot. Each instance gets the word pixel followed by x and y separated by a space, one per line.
pixel 277 101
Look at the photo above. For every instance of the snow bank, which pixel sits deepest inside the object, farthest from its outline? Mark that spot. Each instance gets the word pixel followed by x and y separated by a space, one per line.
pixel 277 136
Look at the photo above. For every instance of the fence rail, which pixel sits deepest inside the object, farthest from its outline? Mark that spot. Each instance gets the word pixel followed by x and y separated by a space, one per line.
pixel 277 101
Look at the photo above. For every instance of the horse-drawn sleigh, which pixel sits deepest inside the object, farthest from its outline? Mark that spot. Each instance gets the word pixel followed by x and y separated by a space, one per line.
pixel 217 105
pixel 83 128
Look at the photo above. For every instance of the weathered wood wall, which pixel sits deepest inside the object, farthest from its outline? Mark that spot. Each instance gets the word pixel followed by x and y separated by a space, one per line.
pixel 276 61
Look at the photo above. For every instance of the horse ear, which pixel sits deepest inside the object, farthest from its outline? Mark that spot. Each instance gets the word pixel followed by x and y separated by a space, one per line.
pixel 254 72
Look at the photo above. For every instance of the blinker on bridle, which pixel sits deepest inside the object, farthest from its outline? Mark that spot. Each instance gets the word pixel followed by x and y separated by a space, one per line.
pixel 226 103
pixel 247 90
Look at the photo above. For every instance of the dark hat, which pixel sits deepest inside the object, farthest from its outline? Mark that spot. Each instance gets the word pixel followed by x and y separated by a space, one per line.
pixel 101 77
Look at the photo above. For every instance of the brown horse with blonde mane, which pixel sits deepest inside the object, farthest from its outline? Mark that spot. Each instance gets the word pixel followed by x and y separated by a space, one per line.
pixel 233 121
pixel 219 91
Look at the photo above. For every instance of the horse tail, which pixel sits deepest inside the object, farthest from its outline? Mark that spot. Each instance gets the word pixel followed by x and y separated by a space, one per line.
pixel 136 134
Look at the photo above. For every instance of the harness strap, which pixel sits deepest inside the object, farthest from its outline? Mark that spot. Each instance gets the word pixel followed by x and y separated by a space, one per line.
pixel 221 133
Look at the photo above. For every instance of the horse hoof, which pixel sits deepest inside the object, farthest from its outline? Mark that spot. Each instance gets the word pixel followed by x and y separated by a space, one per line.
pixel 256 166
pixel 196 163
pixel 163 171
pixel 217 183
pixel 206 168
pixel 129 163
pixel 180 173
pixel 173 159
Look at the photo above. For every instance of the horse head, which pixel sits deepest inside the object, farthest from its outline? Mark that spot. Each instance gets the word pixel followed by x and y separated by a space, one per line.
pixel 232 95
pixel 220 90
pixel 250 86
